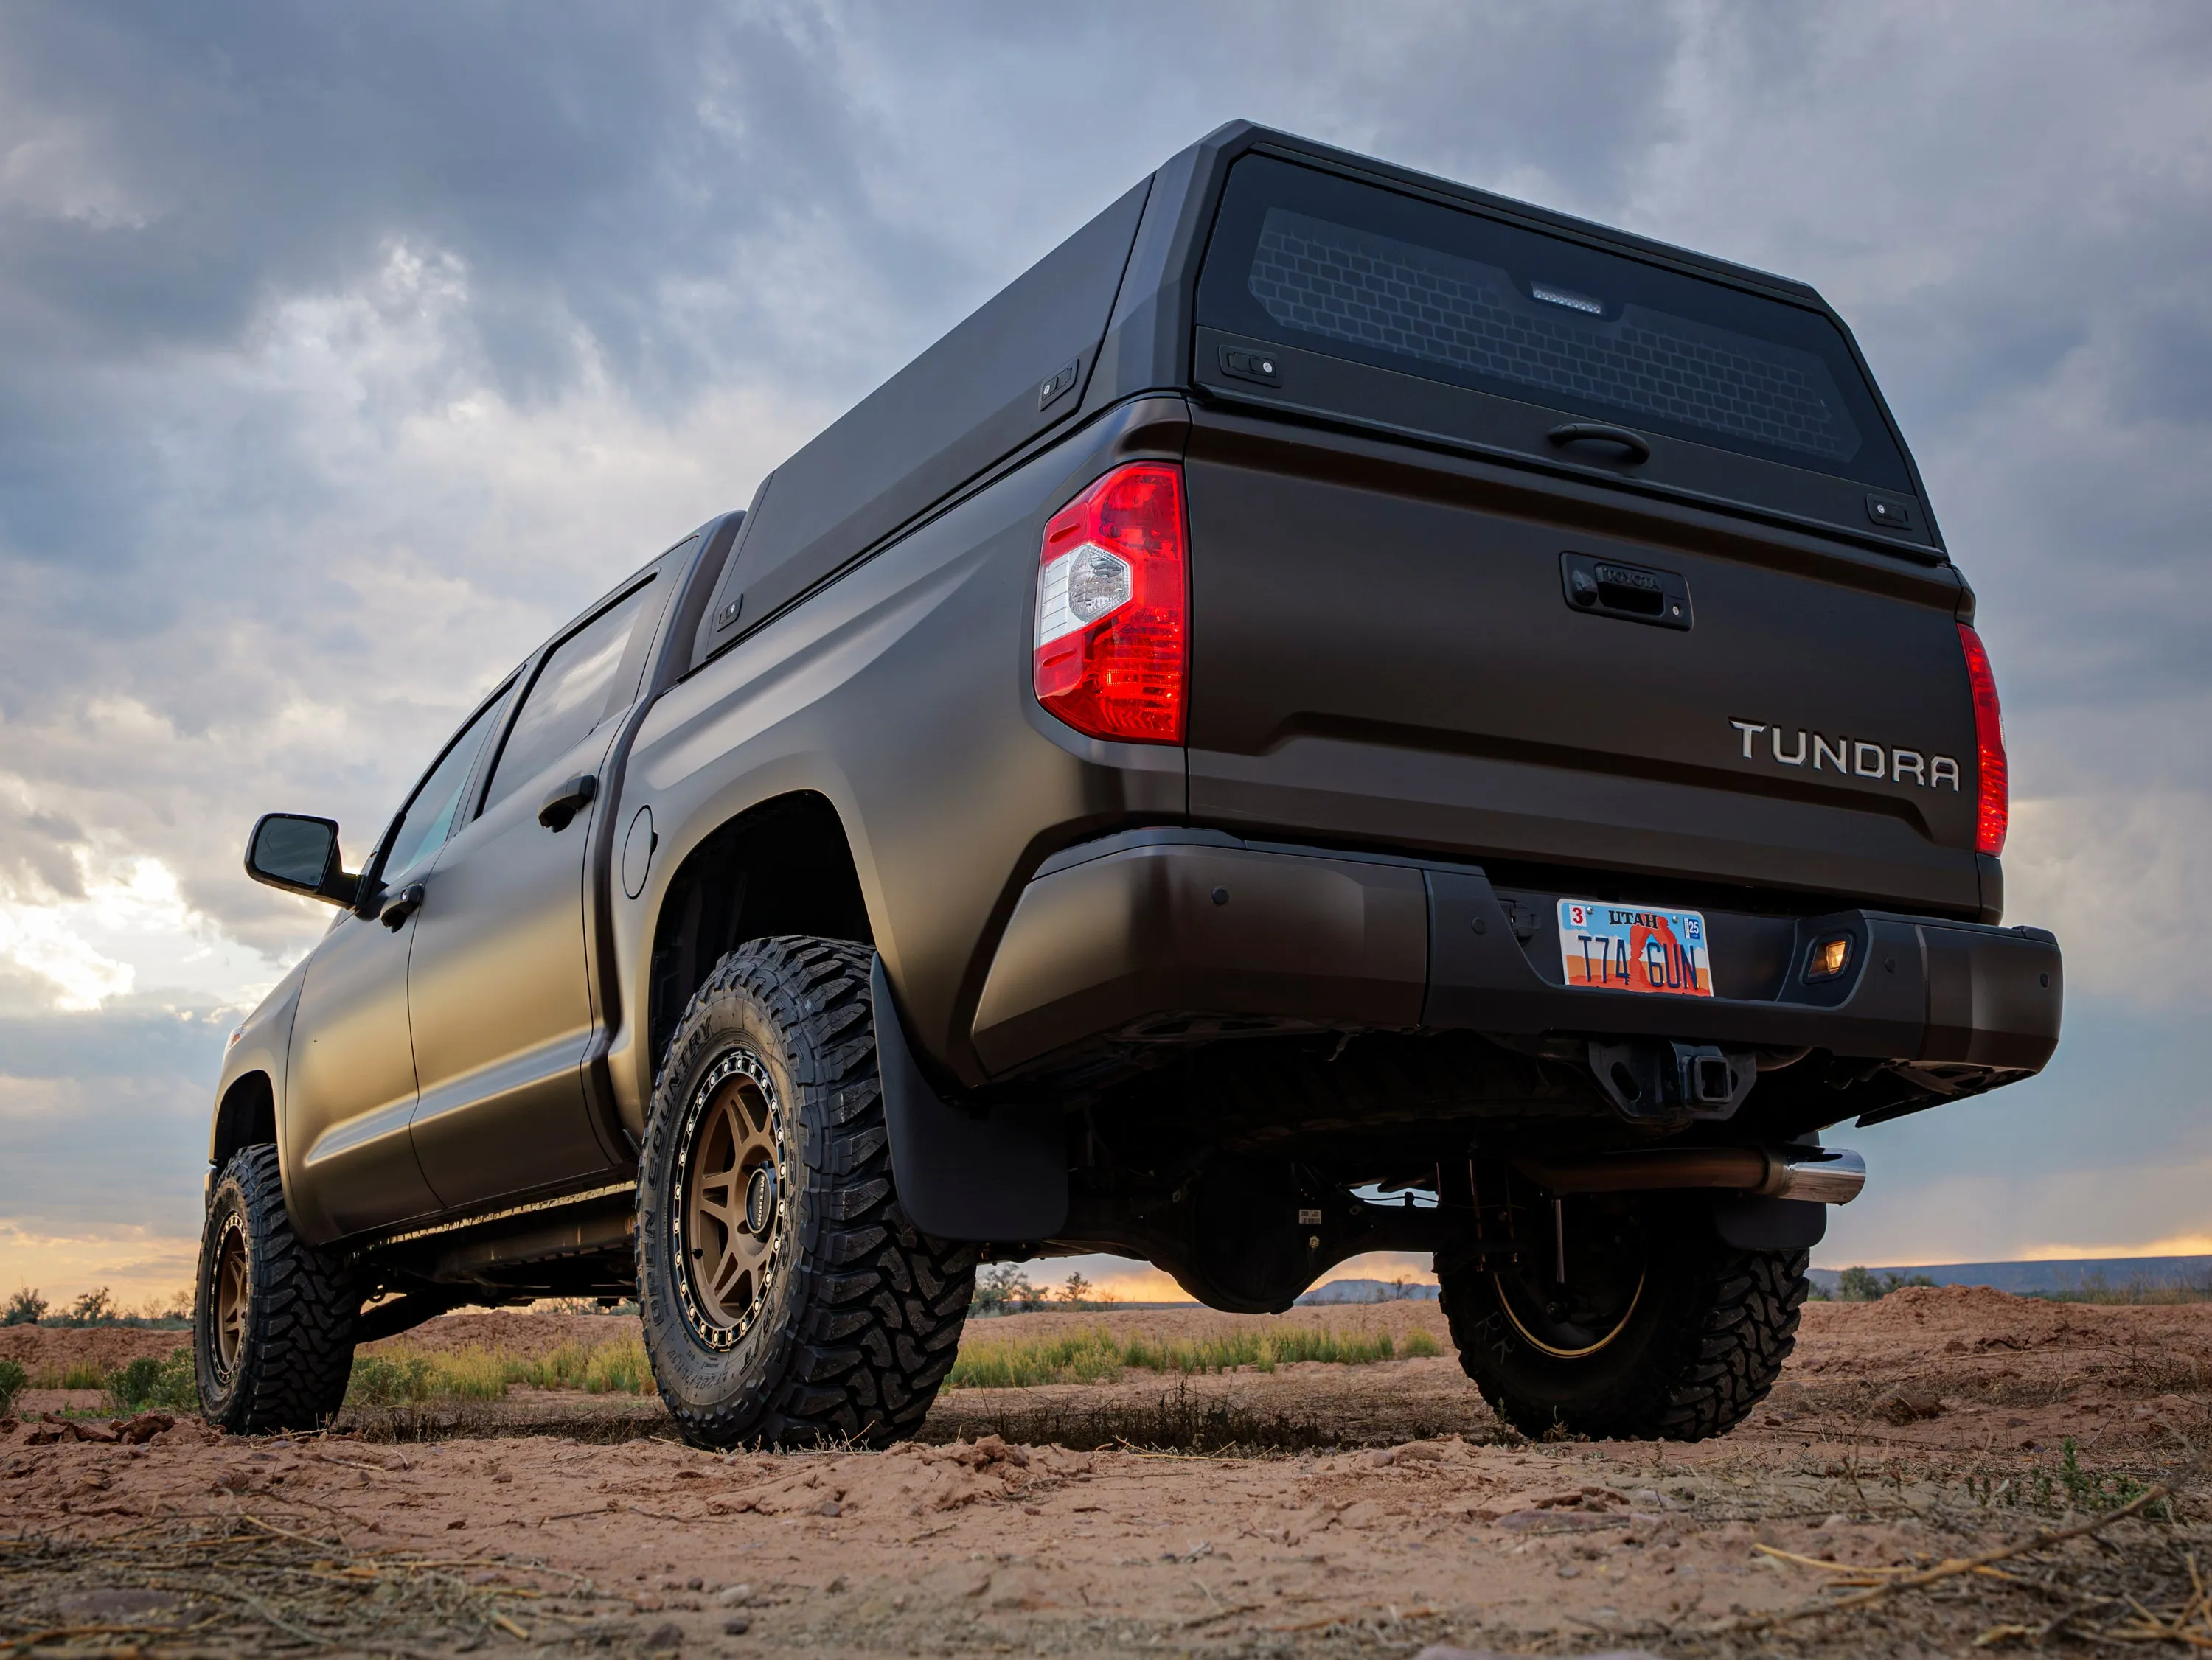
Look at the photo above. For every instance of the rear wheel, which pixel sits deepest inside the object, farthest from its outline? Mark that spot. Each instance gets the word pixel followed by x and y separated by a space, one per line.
pixel 1644 1327
pixel 786 1298
pixel 273 1318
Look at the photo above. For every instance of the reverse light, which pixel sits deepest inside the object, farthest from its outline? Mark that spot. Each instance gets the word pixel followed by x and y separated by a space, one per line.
pixel 1993 794
pixel 1112 651
pixel 1828 957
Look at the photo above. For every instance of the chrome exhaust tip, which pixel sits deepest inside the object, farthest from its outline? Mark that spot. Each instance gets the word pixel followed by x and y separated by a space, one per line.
pixel 1830 1175
pixel 1834 1175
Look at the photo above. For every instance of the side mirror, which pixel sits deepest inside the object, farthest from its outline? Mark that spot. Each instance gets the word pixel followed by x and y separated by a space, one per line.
pixel 300 855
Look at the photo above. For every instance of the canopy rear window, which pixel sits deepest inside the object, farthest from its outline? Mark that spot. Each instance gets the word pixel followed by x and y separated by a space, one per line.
pixel 1311 259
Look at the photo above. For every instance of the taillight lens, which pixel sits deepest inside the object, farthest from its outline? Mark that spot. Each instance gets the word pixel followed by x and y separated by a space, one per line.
pixel 1112 655
pixel 1993 805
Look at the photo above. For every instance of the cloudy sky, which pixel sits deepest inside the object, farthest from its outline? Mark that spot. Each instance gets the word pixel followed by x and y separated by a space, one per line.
pixel 344 352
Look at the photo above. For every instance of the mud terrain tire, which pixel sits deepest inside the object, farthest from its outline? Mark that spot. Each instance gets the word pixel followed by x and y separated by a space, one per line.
pixel 273 1318
pixel 1703 1344
pixel 786 1298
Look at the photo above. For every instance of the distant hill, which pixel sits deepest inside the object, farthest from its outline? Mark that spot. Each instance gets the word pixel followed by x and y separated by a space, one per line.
pixel 1368 1291
pixel 2083 1274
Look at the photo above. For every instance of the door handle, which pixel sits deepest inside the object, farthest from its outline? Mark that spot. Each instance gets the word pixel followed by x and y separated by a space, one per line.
pixel 401 906
pixel 560 807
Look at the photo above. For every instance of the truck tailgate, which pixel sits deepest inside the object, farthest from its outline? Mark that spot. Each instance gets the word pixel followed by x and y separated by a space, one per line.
pixel 1389 645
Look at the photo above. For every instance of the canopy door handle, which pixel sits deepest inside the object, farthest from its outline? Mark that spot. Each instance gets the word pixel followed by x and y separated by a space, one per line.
pixel 1598 432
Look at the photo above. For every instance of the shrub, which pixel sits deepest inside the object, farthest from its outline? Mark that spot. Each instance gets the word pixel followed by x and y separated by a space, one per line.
pixel 618 1368
pixel 167 1383
pixel 94 1308
pixel 176 1305
pixel 470 1374
pixel 1863 1285
pixel 1420 1344
pixel 12 1381
pixel 25 1308
pixel 389 1380
pixel 1078 1357
pixel 1005 1289
pixel 562 1368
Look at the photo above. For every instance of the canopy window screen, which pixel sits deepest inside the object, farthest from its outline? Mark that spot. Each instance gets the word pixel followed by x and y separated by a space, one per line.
pixel 1353 285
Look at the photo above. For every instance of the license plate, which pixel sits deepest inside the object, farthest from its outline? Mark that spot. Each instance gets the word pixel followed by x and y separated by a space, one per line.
pixel 1626 947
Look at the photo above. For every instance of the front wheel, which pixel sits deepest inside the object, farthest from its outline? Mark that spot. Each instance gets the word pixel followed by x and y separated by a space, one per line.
pixel 272 1317
pixel 786 1298
pixel 1626 1318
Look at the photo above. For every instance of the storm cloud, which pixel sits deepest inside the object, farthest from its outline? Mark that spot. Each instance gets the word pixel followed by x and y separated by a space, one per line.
pixel 344 353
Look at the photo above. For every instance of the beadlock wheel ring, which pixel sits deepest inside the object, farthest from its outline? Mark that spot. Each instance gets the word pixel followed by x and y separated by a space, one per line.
pixel 731 1208
pixel 231 1292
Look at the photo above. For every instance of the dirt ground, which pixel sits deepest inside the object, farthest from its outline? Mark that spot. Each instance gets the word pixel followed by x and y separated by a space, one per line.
pixel 1335 1511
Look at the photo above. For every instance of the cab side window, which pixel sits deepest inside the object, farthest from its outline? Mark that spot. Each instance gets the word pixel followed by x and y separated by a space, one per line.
pixel 437 801
pixel 580 684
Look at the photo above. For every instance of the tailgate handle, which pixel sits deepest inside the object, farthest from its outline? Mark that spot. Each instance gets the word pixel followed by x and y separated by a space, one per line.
pixel 1628 593
pixel 1598 432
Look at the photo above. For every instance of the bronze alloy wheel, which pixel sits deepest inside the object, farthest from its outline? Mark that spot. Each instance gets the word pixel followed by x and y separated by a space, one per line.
pixel 233 1292
pixel 729 1221
pixel 1571 1304
pixel 786 1298
pixel 1569 1327
pixel 1623 1317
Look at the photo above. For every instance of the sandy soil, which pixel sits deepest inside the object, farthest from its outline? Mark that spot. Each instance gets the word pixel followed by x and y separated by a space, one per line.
pixel 1928 1426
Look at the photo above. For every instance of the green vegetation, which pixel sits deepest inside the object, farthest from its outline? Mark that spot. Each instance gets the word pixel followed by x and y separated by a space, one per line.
pixel 23 1309
pixel 95 1307
pixel 1005 1289
pixel 1864 1285
pixel 399 1375
pixel 98 1307
pixel 2068 1487
pixel 402 1375
pixel 1095 1355
pixel 166 1384
pixel 2094 1288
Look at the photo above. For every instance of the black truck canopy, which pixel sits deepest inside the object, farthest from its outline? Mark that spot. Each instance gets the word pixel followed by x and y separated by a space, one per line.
pixel 1262 271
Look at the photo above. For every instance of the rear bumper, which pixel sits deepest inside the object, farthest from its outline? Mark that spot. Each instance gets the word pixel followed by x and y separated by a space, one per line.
pixel 1159 933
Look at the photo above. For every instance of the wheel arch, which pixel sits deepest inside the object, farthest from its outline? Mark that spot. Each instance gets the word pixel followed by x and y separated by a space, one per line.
pixel 245 1117
pixel 715 899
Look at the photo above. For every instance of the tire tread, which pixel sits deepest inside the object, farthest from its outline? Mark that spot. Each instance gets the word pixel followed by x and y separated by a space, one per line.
pixel 880 1305
pixel 298 1356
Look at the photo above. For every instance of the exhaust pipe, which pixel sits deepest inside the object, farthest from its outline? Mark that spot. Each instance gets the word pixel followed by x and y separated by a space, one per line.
pixel 1821 1175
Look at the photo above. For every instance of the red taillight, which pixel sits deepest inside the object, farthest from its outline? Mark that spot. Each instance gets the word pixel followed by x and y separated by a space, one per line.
pixel 1112 594
pixel 1993 804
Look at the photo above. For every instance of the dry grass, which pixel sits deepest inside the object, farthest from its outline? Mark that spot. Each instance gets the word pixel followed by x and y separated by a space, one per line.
pixel 1097 1355
pixel 249 1587
pixel 396 1375
pixel 1179 1419
pixel 400 1375
pixel 77 1374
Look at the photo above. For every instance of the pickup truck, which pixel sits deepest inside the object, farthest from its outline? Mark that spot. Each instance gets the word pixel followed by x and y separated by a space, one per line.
pixel 1338 713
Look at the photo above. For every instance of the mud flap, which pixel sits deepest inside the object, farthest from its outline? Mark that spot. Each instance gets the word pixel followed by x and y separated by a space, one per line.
pixel 1754 1223
pixel 1000 1178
